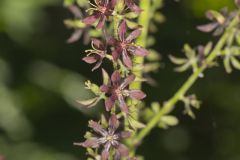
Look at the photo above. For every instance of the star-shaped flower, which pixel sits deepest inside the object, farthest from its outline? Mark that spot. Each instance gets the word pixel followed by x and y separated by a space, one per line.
pixel 220 21
pixel 102 9
pixel 97 54
pixel 107 138
pixel 117 90
pixel 124 46
pixel 79 32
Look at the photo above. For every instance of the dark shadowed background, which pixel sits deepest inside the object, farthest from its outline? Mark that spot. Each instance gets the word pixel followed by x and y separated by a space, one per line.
pixel 41 77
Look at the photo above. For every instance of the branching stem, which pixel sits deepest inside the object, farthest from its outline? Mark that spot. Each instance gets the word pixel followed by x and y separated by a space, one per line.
pixel 169 106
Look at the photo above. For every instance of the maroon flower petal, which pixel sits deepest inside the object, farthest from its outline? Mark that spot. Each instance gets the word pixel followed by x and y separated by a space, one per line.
pixel 105 155
pixel 90 19
pixel 113 122
pixel 218 31
pixel 75 11
pixel 109 104
pixel 75 36
pixel 90 59
pixel 207 27
pixel 125 134
pixel 112 4
pixel 122 30
pixel 98 64
pixel 97 127
pixel 126 59
pixel 104 88
pixel 139 51
pixel 122 104
pixel 93 143
pixel 127 81
pixel 116 77
pixel 136 94
pixel 133 35
pixel 97 43
pixel 123 150
pixel 133 6
pixel 116 54
pixel 112 41
pixel 101 22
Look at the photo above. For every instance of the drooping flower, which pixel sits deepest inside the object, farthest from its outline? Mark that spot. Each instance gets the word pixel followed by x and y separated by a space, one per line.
pixel 97 54
pixel 124 46
pixel 117 90
pixel 107 139
pixel 78 31
pixel 102 9
pixel 220 21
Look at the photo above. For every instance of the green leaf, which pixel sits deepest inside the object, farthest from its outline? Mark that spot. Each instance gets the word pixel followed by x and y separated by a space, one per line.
pixel 227 65
pixel 167 121
pixel 176 60
pixel 189 52
pixel 237 37
pixel 235 62
pixel 74 23
pixel 155 107
pixel 131 15
pixel 208 48
pixel 135 124
pixel 183 67
pixel 131 24
pixel 153 56
pixel 158 17
pixel 106 78
pixel 89 102
pixel 218 16
pixel 120 6
pixel 93 87
pixel 83 3
pixel 68 2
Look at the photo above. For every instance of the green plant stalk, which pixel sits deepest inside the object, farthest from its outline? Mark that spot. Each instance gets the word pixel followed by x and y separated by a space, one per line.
pixel 169 106
pixel 142 41
pixel 143 20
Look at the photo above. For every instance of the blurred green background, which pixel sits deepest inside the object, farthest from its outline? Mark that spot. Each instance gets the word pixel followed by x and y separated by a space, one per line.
pixel 41 77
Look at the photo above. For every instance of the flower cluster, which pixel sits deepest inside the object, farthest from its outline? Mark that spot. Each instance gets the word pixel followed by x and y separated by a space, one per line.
pixel 117 45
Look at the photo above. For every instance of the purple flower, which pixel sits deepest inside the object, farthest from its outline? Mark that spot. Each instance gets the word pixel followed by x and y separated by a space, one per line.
pixel 101 11
pixel 107 138
pixel 133 7
pixel 96 55
pixel 79 32
pixel 125 47
pixel 219 21
pixel 117 90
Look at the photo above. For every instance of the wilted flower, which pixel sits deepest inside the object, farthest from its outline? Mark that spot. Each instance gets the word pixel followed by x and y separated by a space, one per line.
pixel 124 46
pixel 97 54
pixel 107 138
pixel 79 31
pixel 102 9
pixel 117 89
pixel 220 21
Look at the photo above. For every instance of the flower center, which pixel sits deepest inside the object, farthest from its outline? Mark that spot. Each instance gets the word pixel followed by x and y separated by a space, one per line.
pixel 124 45
pixel 103 10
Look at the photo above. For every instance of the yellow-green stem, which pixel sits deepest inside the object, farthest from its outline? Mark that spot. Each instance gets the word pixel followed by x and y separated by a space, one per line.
pixel 141 41
pixel 169 106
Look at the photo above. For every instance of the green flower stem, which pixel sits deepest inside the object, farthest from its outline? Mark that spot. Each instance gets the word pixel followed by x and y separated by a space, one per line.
pixel 141 41
pixel 169 106
pixel 143 20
